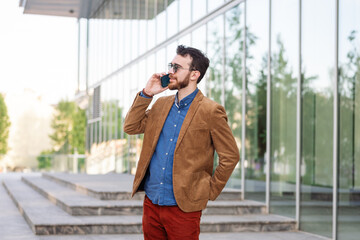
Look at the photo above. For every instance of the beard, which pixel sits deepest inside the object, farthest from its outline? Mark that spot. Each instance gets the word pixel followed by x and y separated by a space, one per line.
pixel 179 85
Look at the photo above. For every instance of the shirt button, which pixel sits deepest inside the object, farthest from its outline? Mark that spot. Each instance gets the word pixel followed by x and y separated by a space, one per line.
pixel 170 140
pixel 185 104
pixel 178 111
pixel 166 153
pixel 163 168
pixel 175 125
pixel 161 183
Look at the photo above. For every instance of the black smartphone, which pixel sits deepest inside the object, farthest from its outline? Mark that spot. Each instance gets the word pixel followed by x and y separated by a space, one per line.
pixel 165 80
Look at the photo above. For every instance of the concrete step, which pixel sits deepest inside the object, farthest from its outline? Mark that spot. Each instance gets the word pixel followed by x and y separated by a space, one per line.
pixel 102 186
pixel 79 204
pixel 114 186
pixel 45 218
pixel 76 203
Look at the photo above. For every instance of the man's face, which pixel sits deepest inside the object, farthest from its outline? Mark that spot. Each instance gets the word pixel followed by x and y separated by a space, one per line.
pixel 181 78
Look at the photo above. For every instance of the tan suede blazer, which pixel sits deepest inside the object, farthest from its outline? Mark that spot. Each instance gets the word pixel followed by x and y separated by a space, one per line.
pixel 204 130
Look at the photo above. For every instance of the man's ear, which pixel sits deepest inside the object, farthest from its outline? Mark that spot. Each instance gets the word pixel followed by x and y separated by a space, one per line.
pixel 194 75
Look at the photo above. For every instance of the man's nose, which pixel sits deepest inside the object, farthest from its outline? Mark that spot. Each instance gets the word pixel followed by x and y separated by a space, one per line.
pixel 171 70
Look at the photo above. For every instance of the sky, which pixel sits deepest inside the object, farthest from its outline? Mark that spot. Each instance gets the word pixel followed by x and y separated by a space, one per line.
pixel 37 52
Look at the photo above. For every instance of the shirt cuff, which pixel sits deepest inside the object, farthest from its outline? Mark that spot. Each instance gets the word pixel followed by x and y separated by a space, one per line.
pixel 143 95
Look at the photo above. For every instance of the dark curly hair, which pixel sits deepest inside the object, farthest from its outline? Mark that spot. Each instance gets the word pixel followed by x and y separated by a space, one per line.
pixel 199 60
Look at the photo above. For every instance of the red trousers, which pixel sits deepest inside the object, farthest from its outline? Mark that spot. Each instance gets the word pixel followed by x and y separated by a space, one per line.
pixel 169 222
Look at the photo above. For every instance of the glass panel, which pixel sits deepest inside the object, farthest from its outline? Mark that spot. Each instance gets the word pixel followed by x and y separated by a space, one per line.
pixel 318 48
pixel 82 53
pixel 199 42
pixel 135 29
pixel 115 45
pixel 349 138
pixel 215 49
pixel 185 13
pixel 115 110
pixel 143 28
pixel 215 54
pixel 256 64
pixel 198 9
pixel 161 64
pixel 127 41
pixel 143 77
pixel 102 49
pixel 161 22
pixel 172 18
pixel 121 146
pixel 151 25
pixel 234 28
pixel 213 4
pixel 170 52
pixel 102 123
pixel 284 55
pixel 185 40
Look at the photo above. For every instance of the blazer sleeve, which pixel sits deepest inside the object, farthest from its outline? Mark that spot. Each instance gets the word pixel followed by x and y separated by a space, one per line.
pixel 225 146
pixel 135 120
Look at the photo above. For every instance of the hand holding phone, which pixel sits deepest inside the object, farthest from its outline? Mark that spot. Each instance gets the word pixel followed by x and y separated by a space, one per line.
pixel 165 80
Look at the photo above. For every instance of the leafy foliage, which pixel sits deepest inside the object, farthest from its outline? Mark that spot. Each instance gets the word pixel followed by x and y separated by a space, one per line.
pixel 69 125
pixel 4 126
pixel 44 159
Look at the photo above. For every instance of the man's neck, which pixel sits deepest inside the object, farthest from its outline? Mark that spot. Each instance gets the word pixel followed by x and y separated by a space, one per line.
pixel 182 93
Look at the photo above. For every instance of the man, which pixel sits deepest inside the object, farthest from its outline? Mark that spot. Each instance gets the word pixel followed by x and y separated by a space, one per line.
pixel 181 133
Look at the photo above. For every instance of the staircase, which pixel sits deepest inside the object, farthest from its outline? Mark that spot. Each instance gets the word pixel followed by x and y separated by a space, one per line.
pixel 78 204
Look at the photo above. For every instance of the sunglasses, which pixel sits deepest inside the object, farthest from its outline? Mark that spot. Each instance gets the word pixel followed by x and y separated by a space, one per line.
pixel 175 67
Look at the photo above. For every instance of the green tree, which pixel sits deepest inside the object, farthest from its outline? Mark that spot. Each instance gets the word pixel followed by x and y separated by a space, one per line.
pixel 69 125
pixel 349 82
pixel 4 127
pixel 44 159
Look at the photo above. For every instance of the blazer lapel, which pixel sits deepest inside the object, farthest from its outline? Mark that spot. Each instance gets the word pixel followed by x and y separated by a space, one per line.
pixel 189 116
pixel 162 117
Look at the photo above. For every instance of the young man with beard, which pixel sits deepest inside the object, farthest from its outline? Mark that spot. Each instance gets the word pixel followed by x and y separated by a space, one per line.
pixel 181 133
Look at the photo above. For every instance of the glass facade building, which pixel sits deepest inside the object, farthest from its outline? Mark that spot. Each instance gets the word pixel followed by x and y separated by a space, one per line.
pixel 287 72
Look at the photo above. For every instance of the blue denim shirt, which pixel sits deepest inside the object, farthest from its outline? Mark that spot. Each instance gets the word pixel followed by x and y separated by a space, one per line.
pixel 159 180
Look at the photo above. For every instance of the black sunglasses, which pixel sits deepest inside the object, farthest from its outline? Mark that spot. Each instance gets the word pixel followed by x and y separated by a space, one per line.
pixel 175 67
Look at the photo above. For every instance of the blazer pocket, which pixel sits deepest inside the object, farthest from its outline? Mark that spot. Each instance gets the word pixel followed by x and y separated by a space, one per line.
pixel 199 186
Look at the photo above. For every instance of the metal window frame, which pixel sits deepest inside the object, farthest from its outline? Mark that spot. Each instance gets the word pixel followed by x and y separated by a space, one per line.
pixel 268 119
pixel 336 128
pixel 243 110
pixel 298 127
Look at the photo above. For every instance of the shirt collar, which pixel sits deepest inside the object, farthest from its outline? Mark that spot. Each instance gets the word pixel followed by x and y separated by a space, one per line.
pixel 186 100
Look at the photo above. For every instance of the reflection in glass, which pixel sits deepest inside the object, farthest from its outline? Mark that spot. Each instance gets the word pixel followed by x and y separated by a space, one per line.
pixel 215 72
pixel 257 49
pixel 234 62
pixel 199 42
pixel 284 75
pixel 349 110
pixel 215 49
pixel 317 116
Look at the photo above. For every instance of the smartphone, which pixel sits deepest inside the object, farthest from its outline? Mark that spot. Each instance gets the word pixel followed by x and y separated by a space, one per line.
pixel 165 80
